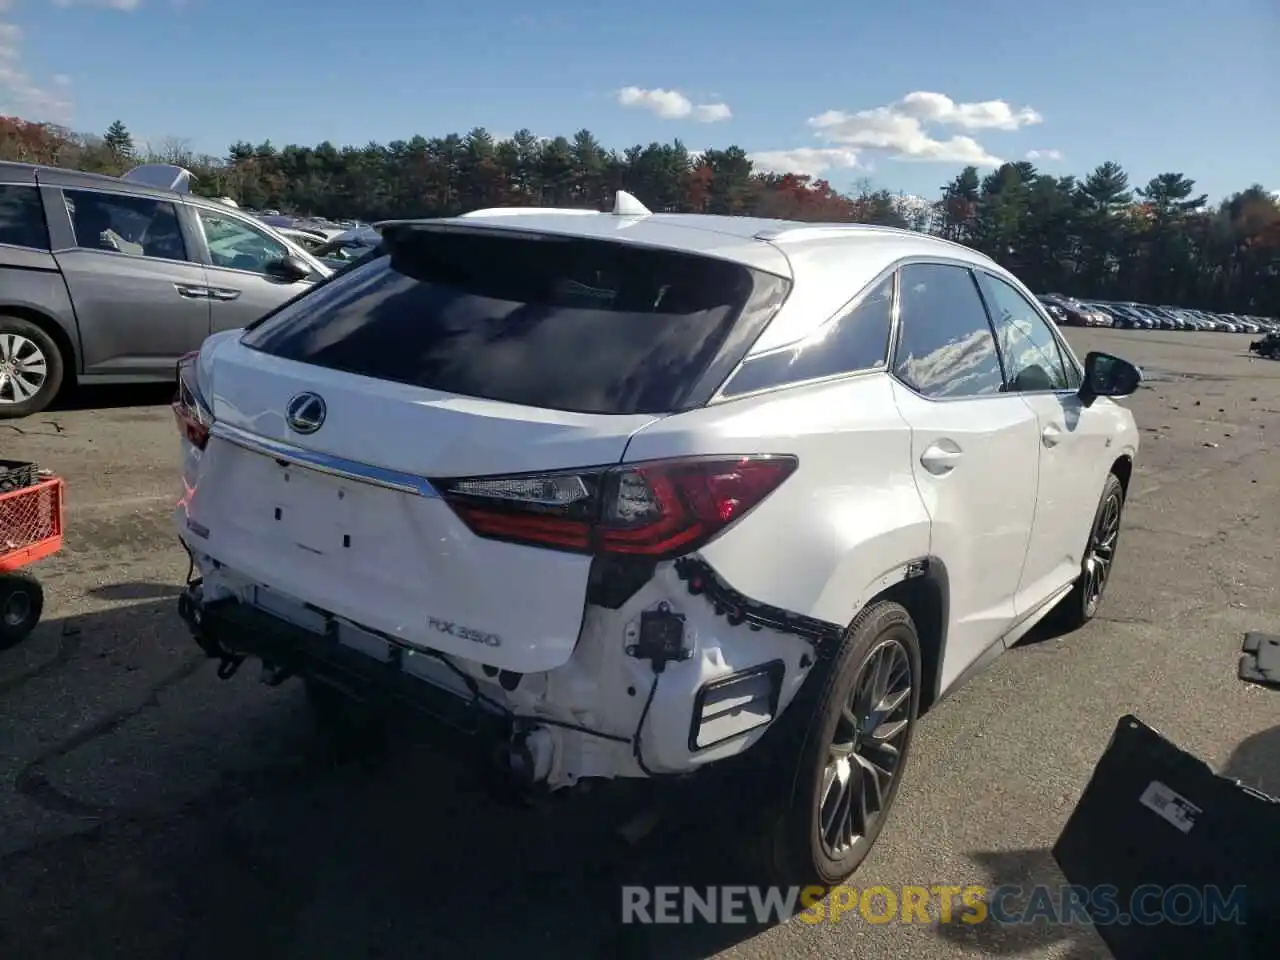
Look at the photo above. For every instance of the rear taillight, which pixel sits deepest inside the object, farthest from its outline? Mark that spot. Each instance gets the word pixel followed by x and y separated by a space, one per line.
pixel 658 509
pixel 189 407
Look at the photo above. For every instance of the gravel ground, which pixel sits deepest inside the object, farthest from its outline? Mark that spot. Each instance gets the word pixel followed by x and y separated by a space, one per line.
pixel 148 809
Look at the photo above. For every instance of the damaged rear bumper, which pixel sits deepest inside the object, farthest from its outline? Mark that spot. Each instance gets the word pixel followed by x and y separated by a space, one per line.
pixel 683 674
pixel 231 631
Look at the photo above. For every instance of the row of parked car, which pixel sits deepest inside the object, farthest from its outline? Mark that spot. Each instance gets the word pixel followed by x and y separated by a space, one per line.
pixel 1069 311
pixel 336 243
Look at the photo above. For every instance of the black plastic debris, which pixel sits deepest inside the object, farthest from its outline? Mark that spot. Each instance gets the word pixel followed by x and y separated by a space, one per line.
pixel 1260 659
pixel 1187 859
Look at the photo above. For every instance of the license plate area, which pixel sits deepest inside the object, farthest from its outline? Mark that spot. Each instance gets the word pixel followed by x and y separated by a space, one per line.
pixel 313 510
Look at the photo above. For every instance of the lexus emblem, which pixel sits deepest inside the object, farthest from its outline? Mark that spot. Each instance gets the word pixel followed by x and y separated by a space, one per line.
pixel 305 413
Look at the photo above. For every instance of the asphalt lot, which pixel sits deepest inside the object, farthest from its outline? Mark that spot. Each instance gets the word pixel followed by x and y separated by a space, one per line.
pixel 148 809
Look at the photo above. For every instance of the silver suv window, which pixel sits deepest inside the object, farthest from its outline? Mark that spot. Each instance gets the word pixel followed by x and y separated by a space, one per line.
pixel 138 226
pixel 22 218
pixel 236 245
pixel 945 346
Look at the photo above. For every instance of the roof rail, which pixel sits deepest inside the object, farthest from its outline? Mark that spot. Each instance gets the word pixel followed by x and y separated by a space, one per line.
pixel 826 231
pixel 525 211
pixel 816 231
pixel 624 205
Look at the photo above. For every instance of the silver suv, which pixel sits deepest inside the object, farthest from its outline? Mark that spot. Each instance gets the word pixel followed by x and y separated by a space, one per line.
pixel 110 280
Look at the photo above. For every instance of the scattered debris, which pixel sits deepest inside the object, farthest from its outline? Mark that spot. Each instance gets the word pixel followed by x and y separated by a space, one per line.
pixel 1260 659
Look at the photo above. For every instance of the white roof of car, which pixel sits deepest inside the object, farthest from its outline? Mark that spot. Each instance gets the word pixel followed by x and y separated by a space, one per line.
pixel 829 262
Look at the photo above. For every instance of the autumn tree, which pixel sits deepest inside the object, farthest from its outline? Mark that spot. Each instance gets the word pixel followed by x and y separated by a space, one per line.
pixel 1092 237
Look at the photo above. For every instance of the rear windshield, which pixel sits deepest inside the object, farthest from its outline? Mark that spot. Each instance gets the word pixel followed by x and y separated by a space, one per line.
pixel 556 322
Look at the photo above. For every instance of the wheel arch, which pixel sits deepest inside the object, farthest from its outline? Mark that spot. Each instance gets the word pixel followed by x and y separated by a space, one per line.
pixel 57 333
pixel 926 596
pixel 1123 470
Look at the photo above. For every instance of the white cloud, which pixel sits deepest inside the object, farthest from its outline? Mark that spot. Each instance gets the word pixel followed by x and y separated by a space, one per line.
pixel 986 115
pixel 810 161
pixel 900 128
pixel 20 94
pixel 1049 155
pixel 712 112
pixel 672 105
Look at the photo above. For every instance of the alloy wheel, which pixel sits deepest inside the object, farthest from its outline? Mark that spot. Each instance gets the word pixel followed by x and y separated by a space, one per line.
pixel 23 368
pixel 866 751
pixel 1102 552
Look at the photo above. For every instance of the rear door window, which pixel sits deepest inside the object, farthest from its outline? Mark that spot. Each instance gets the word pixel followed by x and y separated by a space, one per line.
pixel 22 218
pixel 138 226
pixel 563 323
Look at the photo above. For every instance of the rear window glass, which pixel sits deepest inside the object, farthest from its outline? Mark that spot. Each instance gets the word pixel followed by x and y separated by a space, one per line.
pixel 556 322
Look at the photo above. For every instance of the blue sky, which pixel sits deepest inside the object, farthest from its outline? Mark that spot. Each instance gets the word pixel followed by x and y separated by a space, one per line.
pixel 902 92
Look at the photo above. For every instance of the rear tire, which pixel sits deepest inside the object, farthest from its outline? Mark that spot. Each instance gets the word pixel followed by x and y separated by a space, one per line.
pixel 21 603
pixel 31 368
pixel 841 753
pixel 1081 605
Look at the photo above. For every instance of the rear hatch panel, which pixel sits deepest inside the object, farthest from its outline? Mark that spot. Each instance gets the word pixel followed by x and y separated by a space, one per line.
pixel 399 563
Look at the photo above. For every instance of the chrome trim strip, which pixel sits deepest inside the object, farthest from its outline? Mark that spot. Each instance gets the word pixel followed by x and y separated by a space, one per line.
pixel 327 463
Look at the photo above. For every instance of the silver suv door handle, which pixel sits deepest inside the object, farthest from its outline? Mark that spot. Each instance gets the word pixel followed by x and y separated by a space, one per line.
pixel 192 293
pixel 941 457
pixel 223 293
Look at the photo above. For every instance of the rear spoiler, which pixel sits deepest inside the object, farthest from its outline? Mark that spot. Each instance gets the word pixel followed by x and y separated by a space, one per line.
pixel 624 205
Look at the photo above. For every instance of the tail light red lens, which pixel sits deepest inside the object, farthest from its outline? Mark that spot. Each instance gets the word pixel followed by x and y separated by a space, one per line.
pixel 659 509
pixel 189 407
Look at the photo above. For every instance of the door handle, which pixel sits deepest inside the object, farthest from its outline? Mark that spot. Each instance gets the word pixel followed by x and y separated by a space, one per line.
pixel 192 293
pixel 1050 436
pixel 941 457
pixel 223 293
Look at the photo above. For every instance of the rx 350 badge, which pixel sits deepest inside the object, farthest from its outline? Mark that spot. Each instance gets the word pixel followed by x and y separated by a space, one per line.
pixel 449 628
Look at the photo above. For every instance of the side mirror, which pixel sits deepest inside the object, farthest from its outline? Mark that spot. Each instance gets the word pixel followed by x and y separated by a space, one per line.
pixel 289 269
pixel 1108 376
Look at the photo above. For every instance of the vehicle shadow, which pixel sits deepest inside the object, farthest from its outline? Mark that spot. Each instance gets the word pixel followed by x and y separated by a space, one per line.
pixel 111 397
pixel 1256 762
pixel 135 590
pixel 203 819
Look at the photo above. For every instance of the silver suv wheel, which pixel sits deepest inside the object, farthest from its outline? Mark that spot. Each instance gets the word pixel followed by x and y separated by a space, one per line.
pixel 23 368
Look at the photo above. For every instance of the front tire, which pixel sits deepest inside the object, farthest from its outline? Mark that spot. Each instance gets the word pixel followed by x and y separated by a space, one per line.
pixel 21 603
pixel 1081 605
pixel 846 753
pixel 31 368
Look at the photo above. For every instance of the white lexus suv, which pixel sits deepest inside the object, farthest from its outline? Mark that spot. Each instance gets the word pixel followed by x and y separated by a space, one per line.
pixel 639 493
